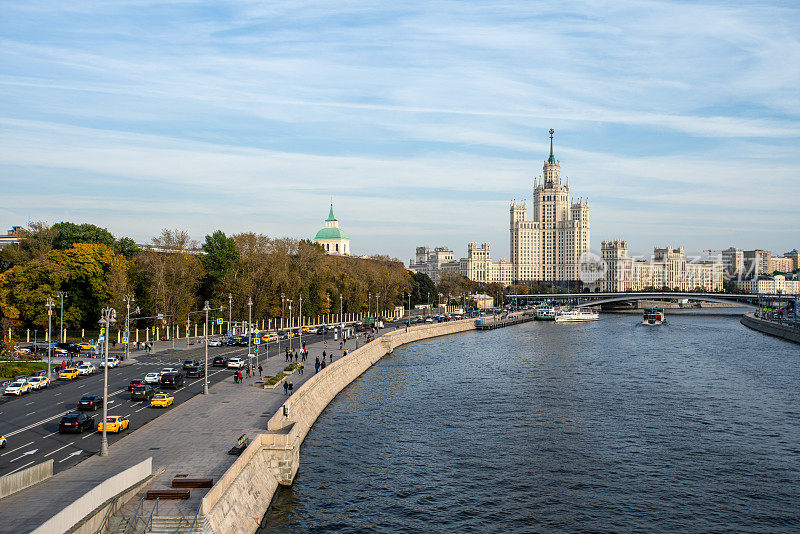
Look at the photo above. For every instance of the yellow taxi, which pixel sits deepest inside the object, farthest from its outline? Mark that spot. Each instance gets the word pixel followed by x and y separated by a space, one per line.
pixel 3 442
pixel 86 346
pixel 161 400
pixel 70 373
pixel 305 329
pixel 115 423
pixel 270 338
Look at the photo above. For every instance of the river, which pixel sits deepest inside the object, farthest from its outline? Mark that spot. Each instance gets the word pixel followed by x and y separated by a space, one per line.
pixel 609 426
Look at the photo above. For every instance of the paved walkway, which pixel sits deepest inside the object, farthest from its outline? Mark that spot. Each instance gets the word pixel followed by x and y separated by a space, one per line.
pixel 192 439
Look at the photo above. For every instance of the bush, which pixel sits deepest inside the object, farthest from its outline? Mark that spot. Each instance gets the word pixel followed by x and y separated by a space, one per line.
pixel 275 379
pixel 12 369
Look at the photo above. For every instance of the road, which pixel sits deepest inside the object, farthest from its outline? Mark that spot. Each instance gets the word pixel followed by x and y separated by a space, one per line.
pixel 30 422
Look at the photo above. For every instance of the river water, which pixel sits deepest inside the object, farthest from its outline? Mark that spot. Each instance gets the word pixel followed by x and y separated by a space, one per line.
pixel 693 426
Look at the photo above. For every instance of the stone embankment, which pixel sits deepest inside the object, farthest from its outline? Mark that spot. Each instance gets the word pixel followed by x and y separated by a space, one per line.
pixel 771 328
pixel 239 500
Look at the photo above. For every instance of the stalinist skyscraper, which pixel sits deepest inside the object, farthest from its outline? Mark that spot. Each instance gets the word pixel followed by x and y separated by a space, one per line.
pixel 549 247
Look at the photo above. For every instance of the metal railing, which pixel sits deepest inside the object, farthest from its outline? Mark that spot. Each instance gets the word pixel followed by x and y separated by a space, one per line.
pixel 194 521
pixel 149 519
pixel 135 515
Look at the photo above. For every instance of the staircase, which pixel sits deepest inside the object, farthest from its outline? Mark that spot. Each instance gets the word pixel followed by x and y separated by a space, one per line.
pixel 163 525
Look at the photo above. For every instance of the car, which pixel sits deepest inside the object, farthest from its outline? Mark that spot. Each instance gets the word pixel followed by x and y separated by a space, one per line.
pixel 195 371
pixel 112 362
pixel 17 388
pixel 171 380
pixel 189 363
pixel 162 400
pixel 86 368
pixel 214 343
pixel 68 373
pixel 168 370
pixel 75 422
pixel 114 423
pixel 152 378
pixel 39 382
pixel 3 442
pixel 86 346
pixel 235 363
pixel 90 402
pixel 69 347
pixel 143 392
pixel 219 361
pixel 135 383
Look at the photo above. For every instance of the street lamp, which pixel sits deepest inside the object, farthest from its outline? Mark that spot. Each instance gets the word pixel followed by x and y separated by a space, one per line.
pixel 49 305
pixel 290 323
pixel 63 295
pixel 230 311
pixel 108 317
pixel 206 309
pixel 128 299
pixel 301 323
pixel 369 303
pixel 249 322
pixel 377 309
pixel 341 308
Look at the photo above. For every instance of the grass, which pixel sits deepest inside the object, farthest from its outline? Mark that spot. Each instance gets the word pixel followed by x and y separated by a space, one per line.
pixel 275 379
pixel 12 369
pixel 291 367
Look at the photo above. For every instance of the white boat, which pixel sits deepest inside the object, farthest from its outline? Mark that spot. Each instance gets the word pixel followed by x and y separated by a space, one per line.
pixel 575 315
pixel 653 316
pixel 544 314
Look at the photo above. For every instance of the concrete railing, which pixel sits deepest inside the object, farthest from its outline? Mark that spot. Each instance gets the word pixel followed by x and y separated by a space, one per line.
pixel 73 514
pixel 771 328
pixel 25 478
pixel 247 487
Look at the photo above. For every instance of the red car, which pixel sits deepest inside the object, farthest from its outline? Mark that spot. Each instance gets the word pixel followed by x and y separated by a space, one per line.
pixel 135 382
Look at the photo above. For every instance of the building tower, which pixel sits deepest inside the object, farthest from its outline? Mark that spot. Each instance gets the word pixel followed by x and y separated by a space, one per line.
pixel 332 238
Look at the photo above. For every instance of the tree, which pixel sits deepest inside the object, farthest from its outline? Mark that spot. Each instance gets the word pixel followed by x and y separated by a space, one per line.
pixel 421 288
pixel 68 234
pixel 127 247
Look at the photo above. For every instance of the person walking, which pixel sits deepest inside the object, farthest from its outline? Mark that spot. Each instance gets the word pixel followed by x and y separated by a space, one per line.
pixel 260 369
pixel 331 356
pixel 316 366
pixel 300 369
pixel 236 377
pixel 285 387
pixel 248 371
pixel 291 387
pixel 323 355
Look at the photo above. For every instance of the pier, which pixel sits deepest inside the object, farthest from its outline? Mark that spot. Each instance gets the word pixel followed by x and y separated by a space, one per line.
pixel 492 323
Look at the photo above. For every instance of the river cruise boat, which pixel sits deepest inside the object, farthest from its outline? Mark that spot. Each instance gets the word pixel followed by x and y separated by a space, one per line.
pixel 576 314
pixel 544 313
pixel 653 316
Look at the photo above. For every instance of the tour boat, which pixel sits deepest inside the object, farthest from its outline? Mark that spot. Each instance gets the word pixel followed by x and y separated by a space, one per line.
pixel 653 316
pixel 544 314
pixel 576 314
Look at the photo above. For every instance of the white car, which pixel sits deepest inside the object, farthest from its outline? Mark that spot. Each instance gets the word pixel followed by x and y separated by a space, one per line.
pixel 235 363
pixel 17 388
pixel 112 362
pixel 169 371
pixel 39 382
pixel 214 343
pixel 152 378
pixel 86 369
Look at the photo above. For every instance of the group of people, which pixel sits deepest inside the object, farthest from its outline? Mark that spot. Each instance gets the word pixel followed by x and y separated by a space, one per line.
pixel 249 371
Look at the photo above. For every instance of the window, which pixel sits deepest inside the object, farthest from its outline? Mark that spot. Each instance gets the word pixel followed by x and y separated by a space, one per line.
pixel 337 247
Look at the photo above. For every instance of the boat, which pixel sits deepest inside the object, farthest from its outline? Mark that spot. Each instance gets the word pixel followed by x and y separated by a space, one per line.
pixel 653 316
pixel 544 313
pixel 576 314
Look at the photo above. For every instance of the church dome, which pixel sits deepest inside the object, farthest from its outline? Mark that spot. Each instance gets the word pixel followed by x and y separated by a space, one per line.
pixel 331 233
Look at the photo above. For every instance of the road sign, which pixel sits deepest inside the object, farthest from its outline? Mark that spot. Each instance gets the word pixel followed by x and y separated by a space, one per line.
pixel 257 341
pixel 219 321
pixel 124 339
pixel 160 316
pixel 102 330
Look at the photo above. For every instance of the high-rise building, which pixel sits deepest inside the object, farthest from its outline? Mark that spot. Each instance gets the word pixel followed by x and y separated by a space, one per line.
pixel 795 257
pixel 757 262
pixel 549 247
pixel 429 262
pixel 733 261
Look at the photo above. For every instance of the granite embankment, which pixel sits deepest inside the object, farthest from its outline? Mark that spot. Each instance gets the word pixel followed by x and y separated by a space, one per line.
pixel 240 498
pixel 771 328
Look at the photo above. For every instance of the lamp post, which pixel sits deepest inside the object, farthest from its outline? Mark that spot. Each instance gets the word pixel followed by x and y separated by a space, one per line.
pixel 206 309
pixel 230 311
pixel 369 303
pixel 277 329
pixel 249 322
pixel 290 323
pixel 49 305
pixel 128 299
pixel 377 309
pixel 301 322
pixel 108 317
pixel 341 308
pixel 63 295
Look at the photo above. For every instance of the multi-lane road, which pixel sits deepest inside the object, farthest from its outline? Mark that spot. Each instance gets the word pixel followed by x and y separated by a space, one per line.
pixel 30 422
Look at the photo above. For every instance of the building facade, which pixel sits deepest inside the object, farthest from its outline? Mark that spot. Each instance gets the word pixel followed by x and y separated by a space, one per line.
pixel 668 268
pixel 332 238
pixel 780 264
pixel 549 246
pixel 431 263
pixel 794 256
pixel 769 285
pixel 13 236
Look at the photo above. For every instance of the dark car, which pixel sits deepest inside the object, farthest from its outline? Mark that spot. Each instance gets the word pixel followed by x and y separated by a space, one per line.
pixel 143 392
pixel 189 363
pixel 219 361
pixel 71 348
pixel 171 380
pixel 90 402
pixel 76 422
pixel 195 371
pixel 135 383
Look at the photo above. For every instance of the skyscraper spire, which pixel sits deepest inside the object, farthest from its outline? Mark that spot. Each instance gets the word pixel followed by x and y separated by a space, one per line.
pixel 552 158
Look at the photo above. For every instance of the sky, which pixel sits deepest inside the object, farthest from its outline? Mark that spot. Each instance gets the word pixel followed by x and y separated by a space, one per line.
pixel 420 120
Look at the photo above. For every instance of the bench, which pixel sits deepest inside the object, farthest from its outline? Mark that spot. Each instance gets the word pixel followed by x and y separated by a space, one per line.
pixel 192 482
pixel 172 494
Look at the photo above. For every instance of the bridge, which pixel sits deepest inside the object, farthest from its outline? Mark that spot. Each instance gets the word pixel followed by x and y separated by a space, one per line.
pixel 582 300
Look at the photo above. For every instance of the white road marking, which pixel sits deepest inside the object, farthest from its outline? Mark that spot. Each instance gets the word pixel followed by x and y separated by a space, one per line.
pixel 88 435
pixel 50 434
pixel 56 394
pixel 27 414
pixel 70 456
pixel 20 467
pixel 24 454
pixel 58 449
pixel 140 409
pixel 29 403
pixel 18 448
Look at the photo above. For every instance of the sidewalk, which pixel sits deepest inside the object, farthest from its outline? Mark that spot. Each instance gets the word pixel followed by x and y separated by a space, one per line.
pixel 192 439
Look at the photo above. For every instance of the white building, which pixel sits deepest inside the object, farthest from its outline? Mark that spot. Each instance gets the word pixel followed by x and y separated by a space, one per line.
pixel 667 268
pixel 549 247
pixel 773 285
pixel 332 238
pixel 13 236
pixel 430 263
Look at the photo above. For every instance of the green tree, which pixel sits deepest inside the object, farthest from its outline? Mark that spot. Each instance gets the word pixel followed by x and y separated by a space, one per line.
pixel 221 255
pixel 68 234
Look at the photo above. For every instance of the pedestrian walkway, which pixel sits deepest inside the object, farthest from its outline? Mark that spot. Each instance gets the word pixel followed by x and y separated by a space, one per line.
pixel 192 440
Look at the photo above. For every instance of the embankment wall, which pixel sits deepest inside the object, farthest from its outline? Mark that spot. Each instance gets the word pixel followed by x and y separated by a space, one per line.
pixel 239 500
pixel 773 329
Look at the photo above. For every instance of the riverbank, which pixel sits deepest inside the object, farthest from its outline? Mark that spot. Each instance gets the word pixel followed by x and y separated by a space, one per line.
pixel 771 328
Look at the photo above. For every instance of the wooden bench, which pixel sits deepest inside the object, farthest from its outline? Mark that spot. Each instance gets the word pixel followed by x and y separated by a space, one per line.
pixel 192 482
pixel 173 494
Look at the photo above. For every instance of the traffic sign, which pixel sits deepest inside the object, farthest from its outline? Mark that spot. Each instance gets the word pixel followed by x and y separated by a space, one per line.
pixel 102 330
pixel 219 321
pixel 124 339
pixel 160 316
pixel 257 341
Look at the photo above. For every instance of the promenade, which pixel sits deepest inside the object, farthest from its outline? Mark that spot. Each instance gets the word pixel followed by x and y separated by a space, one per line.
pixel 210 423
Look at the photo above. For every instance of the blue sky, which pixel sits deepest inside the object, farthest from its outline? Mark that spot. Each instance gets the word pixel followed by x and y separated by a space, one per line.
pixel 679 121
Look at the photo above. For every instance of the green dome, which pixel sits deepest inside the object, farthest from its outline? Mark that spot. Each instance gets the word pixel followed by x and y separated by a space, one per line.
pixel 331 233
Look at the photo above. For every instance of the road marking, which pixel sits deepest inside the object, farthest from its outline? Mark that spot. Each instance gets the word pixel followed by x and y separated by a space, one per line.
pixel 24 454
pixel 50 434
pixel 18 448
pixel 58 449
pixel 126 416
pixel 70 456
pixel 20 467
pixel 82 386
pixel 140 409
pixel 29 403
pixel 27 414
pixel 56 394
pixel 88 435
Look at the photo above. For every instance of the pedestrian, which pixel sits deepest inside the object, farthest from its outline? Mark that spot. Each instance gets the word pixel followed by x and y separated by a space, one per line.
pixel 322 364
pixel 236 377
pixel 291 387
pixel 248 371
pixel 260 369
pixel 323 355
pixel 331 356
pixel 300 369
pixel 316 367
pixel 340 345
pixel 304 345
pixel 295 356
pixel 345 353
pixel 285 387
